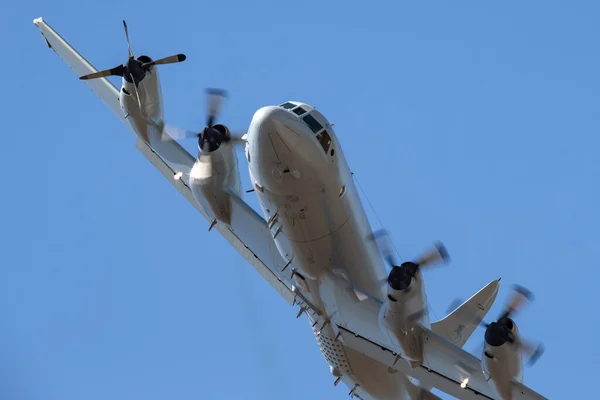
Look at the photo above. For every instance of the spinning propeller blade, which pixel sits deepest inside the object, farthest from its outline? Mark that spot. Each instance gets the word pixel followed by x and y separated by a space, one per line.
pixel 127 37
pixel 384 244
pixel 116 71
pixel 137 95
pixel 430 258
pixel 434 256
pixel 519 297
pixel 166 60
pixel 532 351
pixel 215 102
pixel 400 276
pixel 133 68
pixel 209 137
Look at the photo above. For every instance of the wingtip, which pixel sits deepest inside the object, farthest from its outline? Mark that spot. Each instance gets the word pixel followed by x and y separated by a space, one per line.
pixel 37 21
pixel 181 57
pixel 492 286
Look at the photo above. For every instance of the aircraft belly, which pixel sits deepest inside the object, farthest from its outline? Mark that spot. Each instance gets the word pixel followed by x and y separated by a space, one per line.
pixel 368 378
pixel 299 228
pixel 300 201
pixel 354 257
pixel 308 225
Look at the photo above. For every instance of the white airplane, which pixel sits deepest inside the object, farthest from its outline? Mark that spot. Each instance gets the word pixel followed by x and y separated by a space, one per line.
pixel 314 244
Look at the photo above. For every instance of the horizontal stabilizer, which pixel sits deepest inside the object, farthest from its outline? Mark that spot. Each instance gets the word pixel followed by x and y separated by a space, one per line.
pixel 458 326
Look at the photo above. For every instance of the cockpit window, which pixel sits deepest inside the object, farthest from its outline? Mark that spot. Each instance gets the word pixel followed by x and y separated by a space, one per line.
pixel 325 140
pixel 299 111
pixel 288 105
pixel 312 123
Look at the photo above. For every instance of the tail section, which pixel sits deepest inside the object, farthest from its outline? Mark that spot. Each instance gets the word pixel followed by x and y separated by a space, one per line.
pixel 458 326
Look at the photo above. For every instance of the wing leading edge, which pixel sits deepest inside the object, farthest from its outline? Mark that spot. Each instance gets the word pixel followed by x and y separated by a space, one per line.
pixel 102 87
pixel 248 234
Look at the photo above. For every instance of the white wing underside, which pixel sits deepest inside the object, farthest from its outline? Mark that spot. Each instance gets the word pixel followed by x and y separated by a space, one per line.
pixel 248 234
pixel 446 365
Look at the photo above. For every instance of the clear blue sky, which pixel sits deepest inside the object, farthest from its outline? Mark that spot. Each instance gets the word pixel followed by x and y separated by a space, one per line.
pixel 471 122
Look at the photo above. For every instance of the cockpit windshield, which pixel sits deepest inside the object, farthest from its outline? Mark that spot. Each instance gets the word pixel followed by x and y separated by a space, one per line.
pixel 288 105
pixel 321 133
pixel 299 111
pixel 312 123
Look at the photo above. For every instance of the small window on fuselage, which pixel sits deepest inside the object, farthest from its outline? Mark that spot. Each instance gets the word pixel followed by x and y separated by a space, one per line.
pixel 325 140
pixel 287 105
pixel 312 123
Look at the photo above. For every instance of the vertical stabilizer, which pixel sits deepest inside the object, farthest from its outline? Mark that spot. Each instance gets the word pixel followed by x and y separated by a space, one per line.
pixel 458 326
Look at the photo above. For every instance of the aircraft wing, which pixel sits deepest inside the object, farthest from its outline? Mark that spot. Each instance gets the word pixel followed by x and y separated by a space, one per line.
pixel 446 366
pixel 248 233
pixel 101 86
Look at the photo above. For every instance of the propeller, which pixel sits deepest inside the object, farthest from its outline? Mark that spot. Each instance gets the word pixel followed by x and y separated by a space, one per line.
pixel 400 276
pixel 134 69
pixel 501 331
pixel 211 137
pixel 517 301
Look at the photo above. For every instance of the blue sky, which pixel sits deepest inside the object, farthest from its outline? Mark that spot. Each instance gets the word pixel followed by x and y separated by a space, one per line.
pixel 470 122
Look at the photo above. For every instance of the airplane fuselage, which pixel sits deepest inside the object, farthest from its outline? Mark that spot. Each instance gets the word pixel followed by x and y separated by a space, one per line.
pixel 307 194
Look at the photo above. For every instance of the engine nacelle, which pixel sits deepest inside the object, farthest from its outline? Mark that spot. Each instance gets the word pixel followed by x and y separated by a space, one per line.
pixel 150 104
pixel 502 360
pixel 213 177
pixel 404 311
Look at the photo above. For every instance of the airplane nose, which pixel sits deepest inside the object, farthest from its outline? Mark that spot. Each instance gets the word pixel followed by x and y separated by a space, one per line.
pixel 269 122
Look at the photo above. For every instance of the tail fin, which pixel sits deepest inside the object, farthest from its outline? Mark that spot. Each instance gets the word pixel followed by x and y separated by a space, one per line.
pixel 458 326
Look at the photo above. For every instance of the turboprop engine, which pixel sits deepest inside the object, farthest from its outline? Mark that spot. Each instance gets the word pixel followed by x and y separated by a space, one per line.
pixel 503 350
pixel 215 175
pixel 140 95
pixel 405 309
